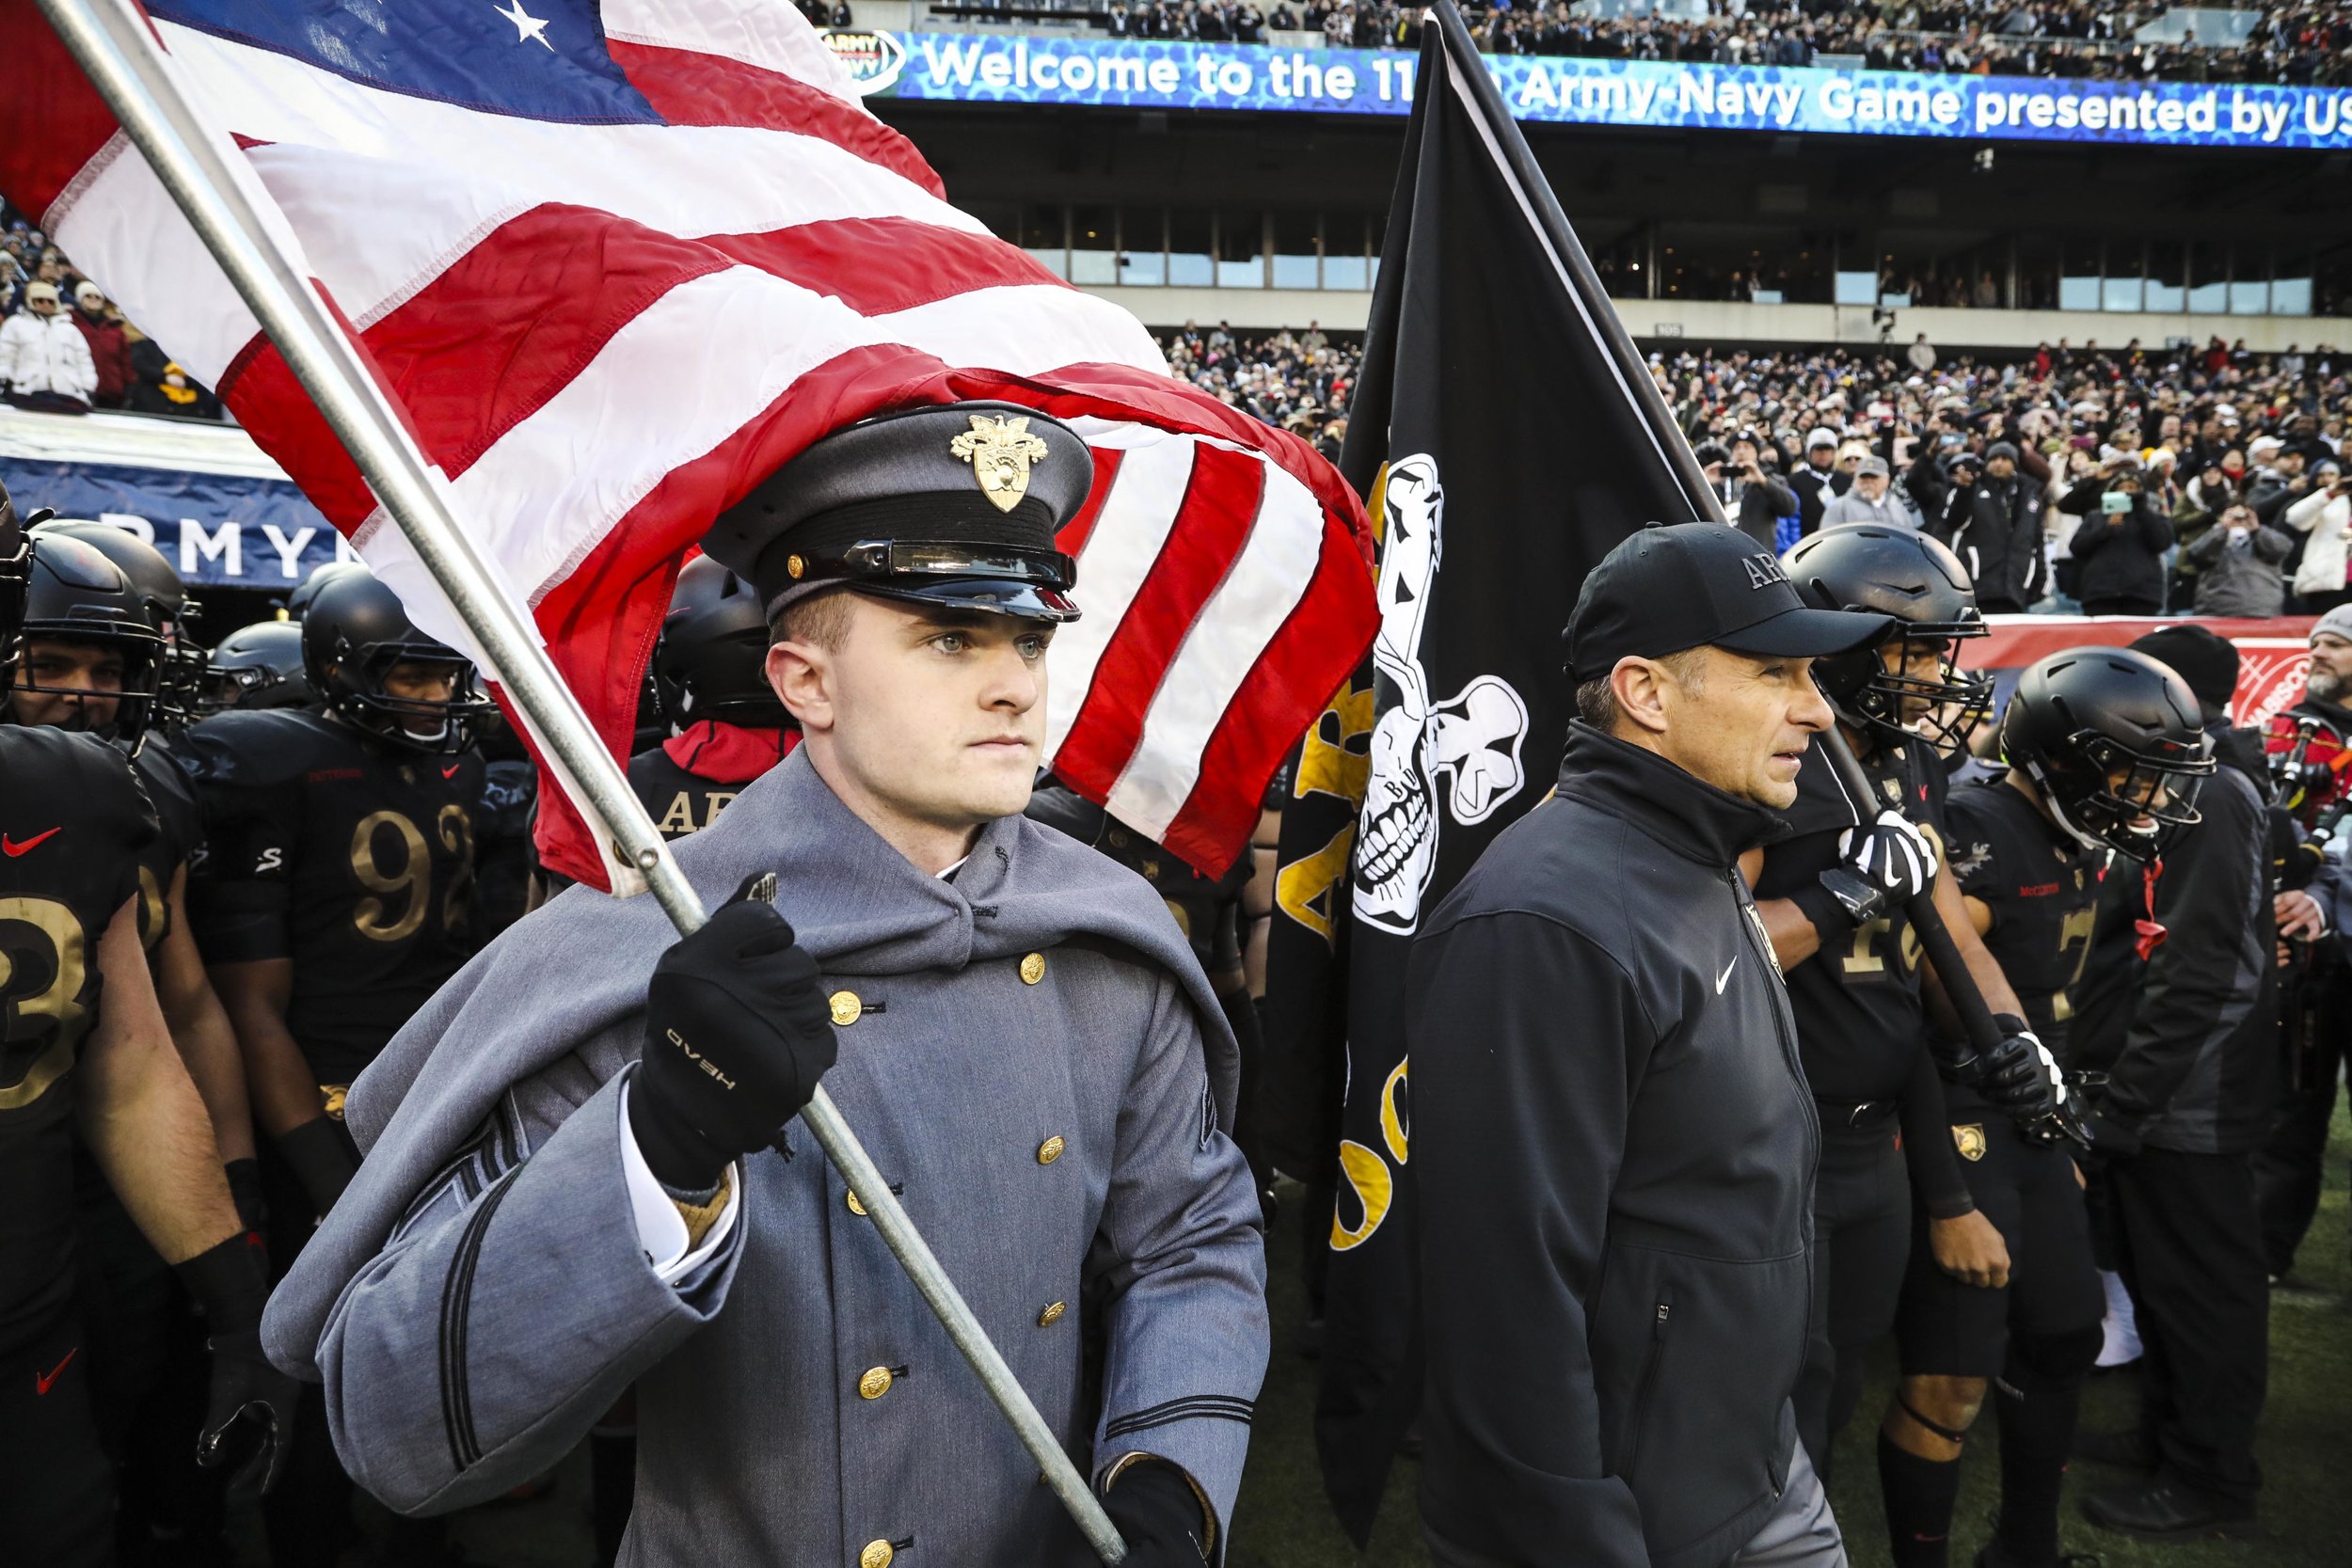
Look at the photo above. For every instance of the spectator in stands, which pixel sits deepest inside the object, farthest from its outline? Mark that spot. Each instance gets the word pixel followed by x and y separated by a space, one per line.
pixel 44 364
pixel 1815 479
pixel 1753 500
pixel 2118 549
pixel 1921 354
pixel 2324 518
pixel 1871 500
pixel 101 326
pixel 1996 530
pixel 2236 565
pixel 159 386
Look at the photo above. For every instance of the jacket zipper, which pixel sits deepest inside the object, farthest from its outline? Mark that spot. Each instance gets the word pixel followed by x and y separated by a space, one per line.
pixel 1805 1102
pixel 1641 1390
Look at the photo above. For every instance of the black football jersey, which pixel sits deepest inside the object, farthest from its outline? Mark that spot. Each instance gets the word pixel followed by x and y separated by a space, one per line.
pixel 2042 888
pixel 181 831
pixel 1859 1023
pixel 73 822
pixel 678 801
pixel 353 858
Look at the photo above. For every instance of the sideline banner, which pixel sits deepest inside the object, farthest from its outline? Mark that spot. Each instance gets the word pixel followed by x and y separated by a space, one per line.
pixel 203 495
pixel 2271 654
pixel 1160 73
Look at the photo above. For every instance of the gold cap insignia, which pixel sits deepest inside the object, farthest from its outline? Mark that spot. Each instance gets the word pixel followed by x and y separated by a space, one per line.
pixel 1000 453
pixel 794 566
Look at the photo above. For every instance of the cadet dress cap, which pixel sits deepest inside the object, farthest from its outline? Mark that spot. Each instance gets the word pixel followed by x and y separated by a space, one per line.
pixel 952 505
pixel 1666 589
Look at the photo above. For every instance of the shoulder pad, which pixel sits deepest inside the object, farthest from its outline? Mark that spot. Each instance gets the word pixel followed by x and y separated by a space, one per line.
pixel 1059 806
pixel 253 750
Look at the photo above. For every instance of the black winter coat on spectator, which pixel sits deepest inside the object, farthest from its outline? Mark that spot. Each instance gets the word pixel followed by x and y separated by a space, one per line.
pixel 1995 526
pixel 2119 557
pixel 1757 509
pixel 2197 1071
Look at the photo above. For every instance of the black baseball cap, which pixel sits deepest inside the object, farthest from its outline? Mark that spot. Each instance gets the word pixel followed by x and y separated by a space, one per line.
pixel 1688 585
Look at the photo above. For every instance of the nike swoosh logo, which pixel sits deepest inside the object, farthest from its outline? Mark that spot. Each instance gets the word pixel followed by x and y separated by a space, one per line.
pixel 450 771
pixel 1725 975
pixel 40 1383
pixel 13 848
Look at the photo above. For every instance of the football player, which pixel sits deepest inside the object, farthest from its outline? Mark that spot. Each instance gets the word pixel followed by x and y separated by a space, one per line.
pixel 258 665
pixel 84 629
pixel 1832 896
pixel 341 849
pixel 73 821
pixel 709 677
pixel 2105 756
pixel 335 902
pixel 169 609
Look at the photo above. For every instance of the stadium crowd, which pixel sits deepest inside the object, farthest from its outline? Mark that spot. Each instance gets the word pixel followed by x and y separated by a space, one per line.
pixel 2232 458
pixel 2296 45
pixel 66 348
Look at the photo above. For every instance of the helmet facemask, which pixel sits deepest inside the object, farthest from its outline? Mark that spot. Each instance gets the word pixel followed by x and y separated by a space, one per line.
pixel 2109 796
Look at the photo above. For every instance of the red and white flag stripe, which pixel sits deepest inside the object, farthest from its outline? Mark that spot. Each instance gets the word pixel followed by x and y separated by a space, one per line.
pixel 605 334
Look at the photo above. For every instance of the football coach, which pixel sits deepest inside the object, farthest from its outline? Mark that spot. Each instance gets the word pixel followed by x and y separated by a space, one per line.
pixel 1613 1137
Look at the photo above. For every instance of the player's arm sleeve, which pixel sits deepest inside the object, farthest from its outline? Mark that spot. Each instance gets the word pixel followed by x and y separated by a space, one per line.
pixel 2209 974
pixel 1186 1323
pixel 1928 1147
pixel 512 1306
pixel 1524 1041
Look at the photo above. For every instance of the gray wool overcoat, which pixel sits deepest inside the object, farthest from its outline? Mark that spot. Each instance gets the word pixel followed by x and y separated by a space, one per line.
pixel 1036 1064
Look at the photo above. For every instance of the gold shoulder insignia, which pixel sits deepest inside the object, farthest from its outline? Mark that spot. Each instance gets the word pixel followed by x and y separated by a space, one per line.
pixel 1000 453
pixel 1970 1138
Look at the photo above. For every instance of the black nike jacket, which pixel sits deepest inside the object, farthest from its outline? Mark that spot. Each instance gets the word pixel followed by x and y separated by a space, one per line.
pixel 1615 1148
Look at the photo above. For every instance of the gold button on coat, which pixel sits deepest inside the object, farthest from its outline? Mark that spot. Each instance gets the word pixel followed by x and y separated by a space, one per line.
pixel 1052 1315
pixel 876 1555
pixel 855 1207
pixel 847 1008
pixel 1033 968
pixel 1050 1150
pixel 875 1384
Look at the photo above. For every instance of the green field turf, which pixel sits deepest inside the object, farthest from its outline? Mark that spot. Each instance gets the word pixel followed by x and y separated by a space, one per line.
pixel 2306 1443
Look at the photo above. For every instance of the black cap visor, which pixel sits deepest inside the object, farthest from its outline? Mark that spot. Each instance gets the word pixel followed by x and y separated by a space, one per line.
pixel 993 595
pixel 1808 634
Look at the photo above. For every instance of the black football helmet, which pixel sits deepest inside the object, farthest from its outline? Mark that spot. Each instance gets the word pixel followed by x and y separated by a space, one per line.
pixel 174 615
pixel 258 665
pixel 2112 739
pixel 1875 569
pixel 299 602
pixel 16 579
pixel 354 632
pixel 77 595
pixel 711 661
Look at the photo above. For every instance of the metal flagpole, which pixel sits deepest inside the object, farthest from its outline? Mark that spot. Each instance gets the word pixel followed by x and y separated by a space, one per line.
pixel 224 200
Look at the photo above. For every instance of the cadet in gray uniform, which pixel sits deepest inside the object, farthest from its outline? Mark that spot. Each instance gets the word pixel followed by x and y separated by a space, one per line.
pixel 1012 1022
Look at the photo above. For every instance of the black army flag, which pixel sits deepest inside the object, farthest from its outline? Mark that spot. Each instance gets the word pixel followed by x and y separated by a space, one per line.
pixel 1507 433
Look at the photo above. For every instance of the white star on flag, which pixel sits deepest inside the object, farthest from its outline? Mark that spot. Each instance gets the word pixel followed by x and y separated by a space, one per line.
pixel 527 26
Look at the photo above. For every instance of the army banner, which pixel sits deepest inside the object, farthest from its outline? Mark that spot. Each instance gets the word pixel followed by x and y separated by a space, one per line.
pixel 1508 435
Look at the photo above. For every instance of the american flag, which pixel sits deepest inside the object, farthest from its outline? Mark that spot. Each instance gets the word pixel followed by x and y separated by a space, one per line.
pixel 617 263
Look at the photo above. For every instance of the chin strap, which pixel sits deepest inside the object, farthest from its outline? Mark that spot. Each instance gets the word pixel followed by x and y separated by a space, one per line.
pixel 2150 932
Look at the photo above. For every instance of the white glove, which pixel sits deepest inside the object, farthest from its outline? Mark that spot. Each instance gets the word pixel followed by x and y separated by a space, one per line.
pixel 1891 855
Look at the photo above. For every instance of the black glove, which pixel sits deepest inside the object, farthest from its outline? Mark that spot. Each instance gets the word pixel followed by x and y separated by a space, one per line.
pixel 1159 1515
pixel 245 1190
pixel 2019 1077
pixel 324 1159
pixel 249 1420
pixel 738 1032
